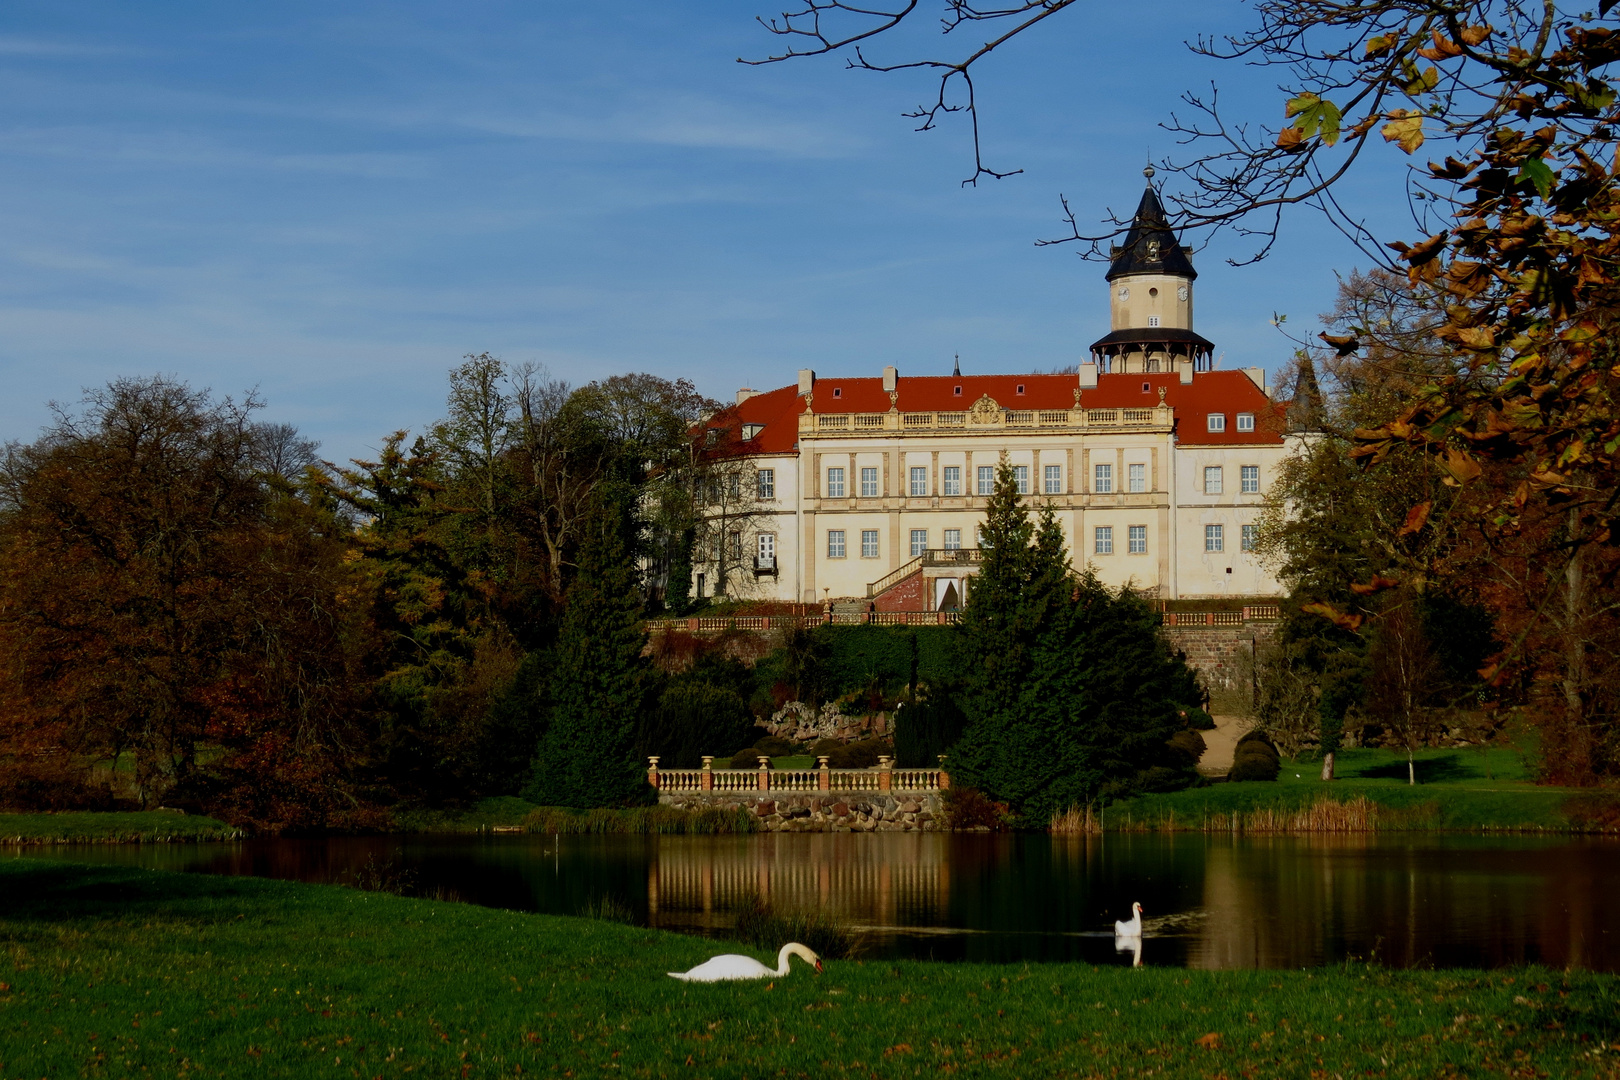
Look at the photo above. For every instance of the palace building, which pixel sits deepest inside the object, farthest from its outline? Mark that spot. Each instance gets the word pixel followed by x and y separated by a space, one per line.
pixel 875 487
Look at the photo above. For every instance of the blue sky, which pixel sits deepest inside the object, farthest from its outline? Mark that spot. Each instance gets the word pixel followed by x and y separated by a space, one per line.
pixel 333 203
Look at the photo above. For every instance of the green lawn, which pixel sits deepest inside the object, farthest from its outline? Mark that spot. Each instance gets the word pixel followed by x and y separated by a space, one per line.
pixel 88 827
pixel 109 971
pixel 1456 789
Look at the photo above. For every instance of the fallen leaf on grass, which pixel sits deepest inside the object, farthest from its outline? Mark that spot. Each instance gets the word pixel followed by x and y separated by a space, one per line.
pixel 1212 1041
pixel 897 1048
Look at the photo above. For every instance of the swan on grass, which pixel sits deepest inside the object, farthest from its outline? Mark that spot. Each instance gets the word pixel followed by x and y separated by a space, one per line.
pixel 730 966
pixel 1132 928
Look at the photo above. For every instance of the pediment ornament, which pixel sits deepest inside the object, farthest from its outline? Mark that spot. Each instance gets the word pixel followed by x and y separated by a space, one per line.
pixel 985 411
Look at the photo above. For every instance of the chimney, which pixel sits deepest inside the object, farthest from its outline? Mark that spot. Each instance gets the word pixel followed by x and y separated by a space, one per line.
pixel 891 376
pixel 807 381
pixel 744 394
pixel 1256 376
pixel 1088 375
pixel 1184 367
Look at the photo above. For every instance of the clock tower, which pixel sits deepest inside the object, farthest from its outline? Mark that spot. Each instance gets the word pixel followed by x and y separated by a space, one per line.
pixel 1150 298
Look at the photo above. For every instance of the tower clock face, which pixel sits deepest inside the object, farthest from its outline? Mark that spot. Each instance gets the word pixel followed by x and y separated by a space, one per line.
pixel 1124 294
pixel 1181 294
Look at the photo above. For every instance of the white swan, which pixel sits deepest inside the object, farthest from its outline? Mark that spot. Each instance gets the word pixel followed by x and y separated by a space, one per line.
pixel 730 966
pixel 1132 928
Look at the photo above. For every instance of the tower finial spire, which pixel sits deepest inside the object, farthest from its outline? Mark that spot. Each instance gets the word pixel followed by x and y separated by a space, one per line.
pixel 957 371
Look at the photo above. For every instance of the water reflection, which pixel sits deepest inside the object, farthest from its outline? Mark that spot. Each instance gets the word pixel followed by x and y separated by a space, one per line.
pixel 1210 902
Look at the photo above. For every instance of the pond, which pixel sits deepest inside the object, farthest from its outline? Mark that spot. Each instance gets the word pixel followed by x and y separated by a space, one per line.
pixel 1210 901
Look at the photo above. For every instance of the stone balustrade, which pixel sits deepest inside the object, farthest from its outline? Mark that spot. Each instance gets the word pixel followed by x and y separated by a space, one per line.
pixel 883 778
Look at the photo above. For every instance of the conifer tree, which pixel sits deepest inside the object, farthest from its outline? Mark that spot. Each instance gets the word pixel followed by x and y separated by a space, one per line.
pixel 586 757
pixel 1069 689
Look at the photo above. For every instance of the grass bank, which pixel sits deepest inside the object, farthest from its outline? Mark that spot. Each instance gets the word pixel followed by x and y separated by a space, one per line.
pixel 1457 790
pixel 516 815
pixel 112 971
pixel 89 827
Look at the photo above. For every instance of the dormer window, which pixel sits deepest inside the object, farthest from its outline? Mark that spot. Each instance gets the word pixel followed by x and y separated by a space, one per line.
pixel 1020 388
pixel 1245 421
pixel 957 391
pixel 750 430
pixel 1217 421
pixel 1147 388
pixel 838 391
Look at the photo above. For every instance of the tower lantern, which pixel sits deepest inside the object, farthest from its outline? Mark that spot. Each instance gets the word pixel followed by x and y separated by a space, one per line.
pixel 1150 298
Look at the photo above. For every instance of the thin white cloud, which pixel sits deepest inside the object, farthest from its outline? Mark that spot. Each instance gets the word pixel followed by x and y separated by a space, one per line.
pixel 13 45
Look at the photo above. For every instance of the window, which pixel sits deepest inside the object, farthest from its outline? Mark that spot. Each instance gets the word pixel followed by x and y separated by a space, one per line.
pixel 1153 320
pixel 869 543
pixel 736 546
pixel 1021 478
pixel 835 543
pixel 919 542
pixel 734 487
pixel 1215 421
pixel 919 481
pixel 835 483
pixel 1251 535
pixel 750 430
pixel 1214 537
pixel 1250 477
pixel 1137 477
pixel 838 391
pixel 766 481
pixel 1104 483
pixel 1020 388
pixel 1212 480
pixel 1245 421
pixel 987 479
pixel 1054 479
pixel 1103 540
pixel 978 537
pixel 869 483
pixel 953 480
pixel 1137 540
pixel 953 539
pixel 767 551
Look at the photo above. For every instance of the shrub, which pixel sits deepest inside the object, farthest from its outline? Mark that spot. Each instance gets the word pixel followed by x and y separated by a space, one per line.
pixel 967 808
pixel 827 746
pixel 1254 766
pixel 693 719
pixel 859 755
pixel 746 758
pixel 1161 778
pixel 1186 747
pixel 774 746
pixel 1257 737
pixel 1198 719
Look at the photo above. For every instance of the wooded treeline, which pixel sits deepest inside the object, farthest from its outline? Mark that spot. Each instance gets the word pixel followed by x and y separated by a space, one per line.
pixel 197 610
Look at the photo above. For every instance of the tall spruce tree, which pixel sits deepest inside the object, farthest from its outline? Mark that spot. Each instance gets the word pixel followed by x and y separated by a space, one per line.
pixel 1069 689
pixel 600 683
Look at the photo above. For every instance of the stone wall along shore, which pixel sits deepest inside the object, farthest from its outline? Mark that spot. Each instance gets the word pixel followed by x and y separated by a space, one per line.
pixel 865 811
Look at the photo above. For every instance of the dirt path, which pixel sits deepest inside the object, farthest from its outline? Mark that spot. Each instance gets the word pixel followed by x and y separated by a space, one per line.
pixel 1220 743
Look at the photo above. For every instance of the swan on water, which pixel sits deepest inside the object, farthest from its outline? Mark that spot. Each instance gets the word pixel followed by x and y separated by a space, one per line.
pixel 730 966
pixel 1132 928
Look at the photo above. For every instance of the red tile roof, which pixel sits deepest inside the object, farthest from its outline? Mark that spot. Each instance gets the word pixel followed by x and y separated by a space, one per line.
pixel 1227 392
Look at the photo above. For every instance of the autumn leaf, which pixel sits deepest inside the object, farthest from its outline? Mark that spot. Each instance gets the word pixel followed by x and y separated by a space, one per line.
pixel 1443 49
pixel 1378 584
pixel 1333 615
pixel 1290 139
pixel 1312 114
pixel 1212 1041
pixel 1460 466
pixel 1535 171
pixel 1415 518
pixel 1405 128
pixel 1473 35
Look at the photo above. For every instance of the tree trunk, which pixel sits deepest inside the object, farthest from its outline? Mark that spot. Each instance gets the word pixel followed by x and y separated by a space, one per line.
pixel 1411 769
pixel 1327 765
